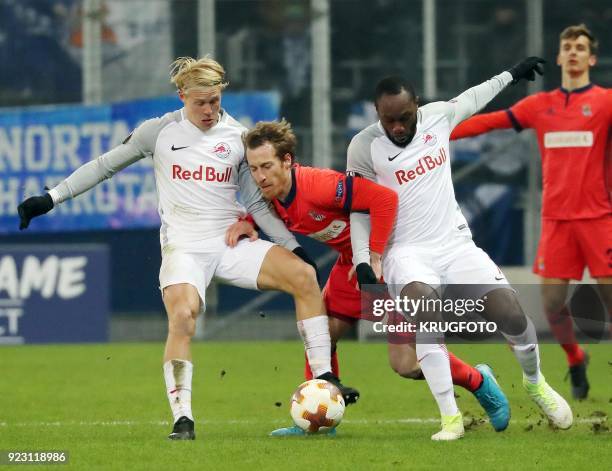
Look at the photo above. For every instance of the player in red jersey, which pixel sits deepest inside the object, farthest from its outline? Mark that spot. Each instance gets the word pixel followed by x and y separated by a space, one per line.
pixel 573 125
pixel 317 203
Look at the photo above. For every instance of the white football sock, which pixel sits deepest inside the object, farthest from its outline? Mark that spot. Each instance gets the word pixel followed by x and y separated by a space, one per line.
pixel 177 374
pixel 317 342
pixel 433 358
pixel 526 351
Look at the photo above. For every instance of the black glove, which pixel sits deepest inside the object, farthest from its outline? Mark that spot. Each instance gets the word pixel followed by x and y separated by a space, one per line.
pixel 32 207
pixel 527 68
pixel 300 252
pixel 365 275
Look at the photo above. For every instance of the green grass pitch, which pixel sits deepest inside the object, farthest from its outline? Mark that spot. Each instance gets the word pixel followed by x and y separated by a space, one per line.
pixel 106 405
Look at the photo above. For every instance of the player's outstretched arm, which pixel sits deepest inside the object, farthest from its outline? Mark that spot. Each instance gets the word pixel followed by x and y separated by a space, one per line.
pixel 482 124
pixel 82 179
pixel 474 99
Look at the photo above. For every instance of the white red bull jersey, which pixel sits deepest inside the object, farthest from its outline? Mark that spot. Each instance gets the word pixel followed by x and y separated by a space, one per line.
pixel 420 172
pixel 197 174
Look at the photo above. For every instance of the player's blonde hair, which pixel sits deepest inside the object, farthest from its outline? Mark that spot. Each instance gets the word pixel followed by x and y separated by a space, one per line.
pixel 187 73
pixel 575 31
pixel 277 133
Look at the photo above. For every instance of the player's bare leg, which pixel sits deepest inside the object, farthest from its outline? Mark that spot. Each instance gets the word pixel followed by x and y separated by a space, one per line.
pixel 403 360
pixel 182 303
pixel 503 308
pixel 282 270
pixel 339 327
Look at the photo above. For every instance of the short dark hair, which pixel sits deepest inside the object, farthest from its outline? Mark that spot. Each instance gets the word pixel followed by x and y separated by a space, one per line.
pixel 575 31
pixel 393 85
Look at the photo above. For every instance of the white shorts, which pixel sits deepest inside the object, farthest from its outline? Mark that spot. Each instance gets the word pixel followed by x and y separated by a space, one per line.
pixel 457 261
pixel 237 266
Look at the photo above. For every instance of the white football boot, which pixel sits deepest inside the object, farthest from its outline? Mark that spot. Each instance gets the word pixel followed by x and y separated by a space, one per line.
pixel 550 402
pixel 452 428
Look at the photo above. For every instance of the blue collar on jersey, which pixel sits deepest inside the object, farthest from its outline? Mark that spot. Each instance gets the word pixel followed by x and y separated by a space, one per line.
pixel 577 90
pixel 291 196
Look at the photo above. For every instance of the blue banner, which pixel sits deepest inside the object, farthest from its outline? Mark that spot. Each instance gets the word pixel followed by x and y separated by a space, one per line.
pixel 40 146
pixel 53 294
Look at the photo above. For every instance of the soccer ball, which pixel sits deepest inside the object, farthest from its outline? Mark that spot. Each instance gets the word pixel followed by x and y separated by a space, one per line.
pixel 317 406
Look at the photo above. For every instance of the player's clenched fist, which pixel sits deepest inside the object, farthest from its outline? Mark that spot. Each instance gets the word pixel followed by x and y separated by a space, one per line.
pixel 527 68
pixel 32 207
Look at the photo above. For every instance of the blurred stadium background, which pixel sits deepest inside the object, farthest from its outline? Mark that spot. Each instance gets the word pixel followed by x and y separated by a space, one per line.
pixel 79 74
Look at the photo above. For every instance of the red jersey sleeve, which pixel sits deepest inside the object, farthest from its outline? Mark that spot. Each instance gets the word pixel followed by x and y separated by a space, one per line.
pixel 381 202
pixel 523 113
pixel 324 187
pixel 482 123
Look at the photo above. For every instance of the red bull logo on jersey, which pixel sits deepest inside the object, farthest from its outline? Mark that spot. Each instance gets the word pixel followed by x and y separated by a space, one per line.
pixel 430 139
pixel 424 165
pixel 222 150
pixel 207 174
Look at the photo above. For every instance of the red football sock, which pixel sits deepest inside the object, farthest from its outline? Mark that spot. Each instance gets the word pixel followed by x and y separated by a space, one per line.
pixel 307 370
pixel 562 327
pixel 575 354
pixel 334 364
pixel 464 375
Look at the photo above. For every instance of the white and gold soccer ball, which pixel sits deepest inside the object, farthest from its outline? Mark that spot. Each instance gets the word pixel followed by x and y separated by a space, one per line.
pixel 317 406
